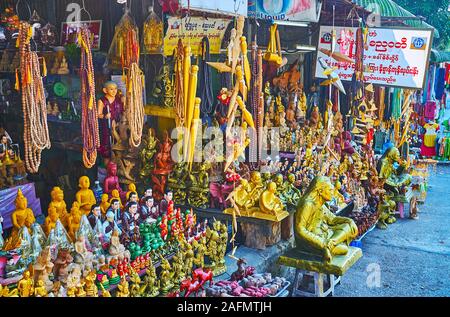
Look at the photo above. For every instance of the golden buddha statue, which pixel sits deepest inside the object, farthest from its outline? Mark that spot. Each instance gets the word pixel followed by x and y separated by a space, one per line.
pixel 151 282
pixel 104 205
pixel 317 229
pixel 291 193
pixel 394 178
pixel 116 195
pixel 123 288
pixel 59 204
pixel 40 290
pixel 20 217
pixel 166 276
pixel 74 220
pixel 131 189
pixel 85 196
pixel 50 220
pixel 270 203
pixel 26 285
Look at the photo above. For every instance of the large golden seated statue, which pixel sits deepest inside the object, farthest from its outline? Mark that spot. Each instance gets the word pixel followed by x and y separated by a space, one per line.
pixel 317 230
pixel 256 200
pixel 395 178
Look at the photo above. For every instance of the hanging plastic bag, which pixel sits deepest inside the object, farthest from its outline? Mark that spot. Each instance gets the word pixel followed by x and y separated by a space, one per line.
pixel 152 38
pixel 124 49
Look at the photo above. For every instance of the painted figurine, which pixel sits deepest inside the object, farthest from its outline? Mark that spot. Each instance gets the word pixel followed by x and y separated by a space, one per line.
pixel 318 230
pixel 111 182
pixel 21 217
pixel 85 196
pixel 59 204
pixel 109 109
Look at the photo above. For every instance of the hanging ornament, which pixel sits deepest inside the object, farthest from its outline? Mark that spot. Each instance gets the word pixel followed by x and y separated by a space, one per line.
pixel 152 39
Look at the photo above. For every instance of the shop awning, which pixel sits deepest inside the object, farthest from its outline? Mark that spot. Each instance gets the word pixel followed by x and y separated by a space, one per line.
pixel 388 8
pixel 439 56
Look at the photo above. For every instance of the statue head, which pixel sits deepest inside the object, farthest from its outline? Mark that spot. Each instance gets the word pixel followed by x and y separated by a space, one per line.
pixel 321 186
pixel 278 179
pixel 84 182
pixel 105 198
pixel 149 201
pixel 148 192
pixel 110 89
pixel 133 197
pixel 255 177
pixel 111 168
pixel 393 154
pixel 115 204
pixel 53 214
pixel 291 178
pixel 132 208
pixel 132 187
pixel 57 194
pixel 115 193
pixel 96 210
pixel 21 200
pixel 168 195
pixel 272 187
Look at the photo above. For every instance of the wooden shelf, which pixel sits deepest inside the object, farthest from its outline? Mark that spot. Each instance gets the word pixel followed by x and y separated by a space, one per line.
pixel 157 111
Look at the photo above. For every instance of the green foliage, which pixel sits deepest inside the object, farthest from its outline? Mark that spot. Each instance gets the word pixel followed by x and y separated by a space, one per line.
pixel 436 14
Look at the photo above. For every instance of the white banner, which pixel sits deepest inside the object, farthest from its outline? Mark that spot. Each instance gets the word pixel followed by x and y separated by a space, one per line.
pixel 392 57
pixel 231 7
pixel 285 10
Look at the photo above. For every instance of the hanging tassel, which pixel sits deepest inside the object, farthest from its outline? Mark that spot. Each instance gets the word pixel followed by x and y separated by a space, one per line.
pixel 17 85
pixel 44 68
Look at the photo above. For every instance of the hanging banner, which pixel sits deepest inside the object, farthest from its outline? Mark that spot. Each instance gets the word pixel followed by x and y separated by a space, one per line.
pixel 192 30
pixel 285 10
pixel 231 7
pixel 392 57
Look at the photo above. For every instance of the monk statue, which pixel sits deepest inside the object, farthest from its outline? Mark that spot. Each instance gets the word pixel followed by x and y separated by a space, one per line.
pixel 394 178
pixel 50 220
pixel 112 180
pixel 85 196
pixel 59 204
pixel 317 229
pixel 269 202
pixel 22 216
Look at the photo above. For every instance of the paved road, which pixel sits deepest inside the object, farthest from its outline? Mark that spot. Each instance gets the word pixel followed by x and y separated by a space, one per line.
pixel 413 256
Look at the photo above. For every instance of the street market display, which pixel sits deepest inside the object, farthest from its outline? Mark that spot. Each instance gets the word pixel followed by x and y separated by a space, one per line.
pixel 243 149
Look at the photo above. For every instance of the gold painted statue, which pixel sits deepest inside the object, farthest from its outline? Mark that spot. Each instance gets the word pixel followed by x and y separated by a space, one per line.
pixel 147 153
pixel 317 229
pixel 198 195
pixel 59 204
pixel 394 178
pixel 26 285
pixel 22 216
pixel 253 199
pixel 216 247
pixel 166 276
pixel 151 281
pixel 50 220
pixel 85 196
pixel 177 182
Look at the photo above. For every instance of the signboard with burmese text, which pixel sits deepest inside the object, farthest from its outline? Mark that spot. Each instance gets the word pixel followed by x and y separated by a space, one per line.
pixel 392 57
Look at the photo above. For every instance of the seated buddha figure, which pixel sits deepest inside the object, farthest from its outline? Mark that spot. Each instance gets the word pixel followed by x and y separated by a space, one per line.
pixel 256 188
pixel 59 204
pixel 240 195
pixel 394 177
pixel 85 196
pixel 269 202
pixel 112 180
pixel 50 220
pixel 317 229
pixel 20 217
pixel 74 220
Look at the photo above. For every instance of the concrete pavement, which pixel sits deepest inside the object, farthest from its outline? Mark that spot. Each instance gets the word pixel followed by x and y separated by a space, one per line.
pixel 411 257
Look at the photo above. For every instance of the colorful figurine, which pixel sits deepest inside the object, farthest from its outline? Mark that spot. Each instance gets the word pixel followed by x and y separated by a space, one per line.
pixel 111 182
pixel 26 285
pixel 104 205
pixel 85 196
pixel 59 204
pixel 317 230
pixel 109 109
pixel 21 217
pixel 50 220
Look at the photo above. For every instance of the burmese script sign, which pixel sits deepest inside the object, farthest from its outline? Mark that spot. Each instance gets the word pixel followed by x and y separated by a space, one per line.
pixel 192 30
pixel 392 57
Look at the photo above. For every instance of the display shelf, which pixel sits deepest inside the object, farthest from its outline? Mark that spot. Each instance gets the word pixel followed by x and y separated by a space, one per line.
pixel 140 273
pixel 157 111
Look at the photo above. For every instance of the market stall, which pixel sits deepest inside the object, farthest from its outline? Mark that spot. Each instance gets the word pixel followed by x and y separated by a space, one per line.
pixel 141 150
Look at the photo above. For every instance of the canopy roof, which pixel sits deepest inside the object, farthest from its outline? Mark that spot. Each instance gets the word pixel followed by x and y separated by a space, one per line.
pixel 388 8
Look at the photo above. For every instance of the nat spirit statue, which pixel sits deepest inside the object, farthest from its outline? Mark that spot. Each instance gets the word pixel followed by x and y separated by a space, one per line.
pixel 317 229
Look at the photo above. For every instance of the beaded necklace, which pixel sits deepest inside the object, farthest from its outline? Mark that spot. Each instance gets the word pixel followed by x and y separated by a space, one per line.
pixel 36 136
pixel 89 116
